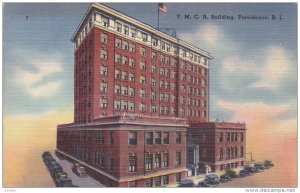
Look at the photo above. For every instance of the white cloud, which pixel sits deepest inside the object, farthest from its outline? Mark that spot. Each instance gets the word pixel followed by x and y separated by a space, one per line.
pixel 27 78
pixel 276 67
pixel 237 64
pixel 208 33
pixel 47 89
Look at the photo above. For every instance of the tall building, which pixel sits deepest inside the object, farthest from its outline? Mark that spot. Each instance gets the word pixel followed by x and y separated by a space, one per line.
pixel 136 92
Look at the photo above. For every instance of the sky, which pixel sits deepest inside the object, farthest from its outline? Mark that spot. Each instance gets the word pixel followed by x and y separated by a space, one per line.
pixel 253 73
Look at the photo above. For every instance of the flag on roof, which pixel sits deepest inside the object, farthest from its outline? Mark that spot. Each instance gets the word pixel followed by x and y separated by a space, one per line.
pixel 162 7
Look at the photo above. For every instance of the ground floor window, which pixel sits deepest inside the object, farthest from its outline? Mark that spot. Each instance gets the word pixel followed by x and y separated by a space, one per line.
pixel 178 177
pixel 132 184
pixel 157 181
pixel 148 182
pixel 165 180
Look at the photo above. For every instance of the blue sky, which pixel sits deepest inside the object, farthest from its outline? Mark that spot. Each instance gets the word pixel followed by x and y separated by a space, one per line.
pixel 254 65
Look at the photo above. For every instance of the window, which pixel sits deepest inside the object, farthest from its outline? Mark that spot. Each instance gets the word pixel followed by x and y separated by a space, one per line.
pixel 154 42
pixel 183 77
pixel 220 137
pixel 132 160
pixel 132 47
pixel 162 58
pixel 131 91
pixel 103 102
pixel 153 82
pixel 204 153
pixel 131 106
pixel 111 137
pixel 117 89
pixel 131 62
pixel 104 38
pixel 103 70
pixel 148 182
pixel 142 93
pixel 178 158
pixel 242 136
pixel 142 107
pixel 131 77
pixel 144 37
pixel 228 137
pixel 165 138
pixel 105 21
pixel 165 159
pixel 125 60
pixel 132 184
pixel 143 51
pixel 153 55
pixel 99 158
pixel 117 104
pixel 125 90
pixel 168 47
pixel 143 65
pixel 133 33
pixel 157 181
pixel 165 180
pixel 126 30
pixel 157 160
pixel 167 60
pixel 153 68
pixel 178 137
pixel 124 75
pixel 220 153
pixel 104 54
pixel 204 136
pixel 118 43
pixel 153 95
pixel 178 177
pixel 118 58
pixel 242 151
pixel 153 108
pixel 157 137
pixel 162 45
pixel 149 138
pixel 103 86
pixel 143 80
pixel 110 161
pixel 124 105
pixel 148 161
pixel 99 137
pixel 119 27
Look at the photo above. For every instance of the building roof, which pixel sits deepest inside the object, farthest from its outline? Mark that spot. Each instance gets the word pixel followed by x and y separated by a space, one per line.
pixel 144 26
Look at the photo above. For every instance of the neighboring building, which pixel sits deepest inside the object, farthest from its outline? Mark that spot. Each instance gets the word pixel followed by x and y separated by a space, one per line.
pixel 220 145
pixel 136 92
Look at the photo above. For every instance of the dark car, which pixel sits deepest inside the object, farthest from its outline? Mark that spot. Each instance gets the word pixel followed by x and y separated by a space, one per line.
pixel 210 180
pixel 268 164
pixel 60 175
pixel 79 170
pixel 225 178
pixel 186 183
pixel 259 166
pixel 65 182
pixel 250 169
pixel 243 173
pixel 232 174
pixel 46 154
pixel 56 169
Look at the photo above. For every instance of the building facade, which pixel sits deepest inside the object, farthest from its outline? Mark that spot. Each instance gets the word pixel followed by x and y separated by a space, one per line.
pixel 220 146
pixel 136 91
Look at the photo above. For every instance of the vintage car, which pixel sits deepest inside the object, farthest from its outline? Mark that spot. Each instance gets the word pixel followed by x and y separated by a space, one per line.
pixel 232 174
pixel 210 180
pixel 259 166
pixel 186 183
pixel 79 170
pixel 268 164
pixel 225 178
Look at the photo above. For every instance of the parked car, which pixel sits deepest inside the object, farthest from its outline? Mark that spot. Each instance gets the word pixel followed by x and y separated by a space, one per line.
pixel 268 164
pixel 60 175
pixel 186 183
pixel 259 166
pixel 232 174
pixel 56 169
pixel 65 182
pixel 210 180
pixel 250 169
pixel 79 170
pixel 46 155
pixel 243 173
pixel 225 178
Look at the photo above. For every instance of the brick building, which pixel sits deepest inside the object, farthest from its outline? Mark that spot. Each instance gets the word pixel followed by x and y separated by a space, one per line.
pixel 137 90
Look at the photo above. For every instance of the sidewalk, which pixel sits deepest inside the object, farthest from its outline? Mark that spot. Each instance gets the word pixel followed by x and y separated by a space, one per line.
pixel 81 182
